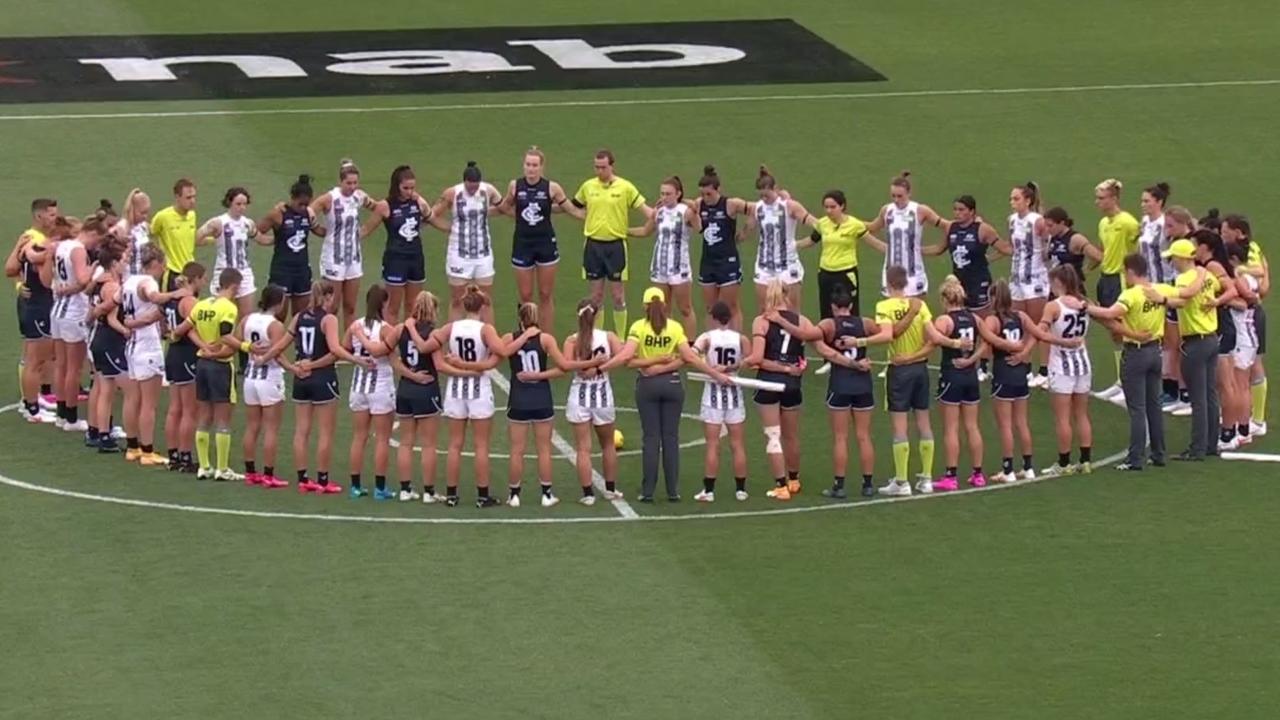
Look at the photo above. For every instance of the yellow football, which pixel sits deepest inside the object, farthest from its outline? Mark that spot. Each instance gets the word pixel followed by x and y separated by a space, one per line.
pixel 618 440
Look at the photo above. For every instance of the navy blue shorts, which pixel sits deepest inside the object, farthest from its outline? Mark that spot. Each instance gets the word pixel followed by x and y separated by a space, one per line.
pixel 720 274
pixel 528 253
pixel 418 401
pixel 33 319
pixel 180 363
pixel 400 269
pixel 110 362
pixel 1009 391
pixel 950 393
pixel 320 387
pixel 851 401
pixel 295 281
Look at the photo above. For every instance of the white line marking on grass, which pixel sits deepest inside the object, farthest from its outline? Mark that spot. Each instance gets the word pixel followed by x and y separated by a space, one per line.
pixel 623 102
pixel 790 510
pixel 567 452
pixel 1251 456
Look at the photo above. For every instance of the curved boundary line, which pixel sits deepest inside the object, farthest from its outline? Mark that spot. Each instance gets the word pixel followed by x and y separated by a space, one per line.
pixel 154 505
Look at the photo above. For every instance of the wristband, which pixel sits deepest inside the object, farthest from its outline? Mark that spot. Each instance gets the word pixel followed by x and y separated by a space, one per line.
pixel 245 345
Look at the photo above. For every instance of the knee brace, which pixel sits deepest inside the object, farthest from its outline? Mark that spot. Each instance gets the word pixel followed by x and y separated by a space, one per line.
pixel 773 440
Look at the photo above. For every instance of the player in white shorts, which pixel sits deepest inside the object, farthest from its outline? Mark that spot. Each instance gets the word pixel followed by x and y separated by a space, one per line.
pixel 469 258
pixel 71 275
pixel 134 227
pixel 903 221
pixel 471 348
pixel 1029 269
pixel 1234 375
pixel 724 407
pixel 775 216
pixel 341 258
pixel 231 233
pixel 673 225
pixel 1063 328
pixel 264 385
pixel 590 405
pixel 143 305
pixel 373 393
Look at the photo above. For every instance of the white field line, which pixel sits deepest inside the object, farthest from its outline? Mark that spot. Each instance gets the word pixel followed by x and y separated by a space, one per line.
pixel 568 453
pixel 625 102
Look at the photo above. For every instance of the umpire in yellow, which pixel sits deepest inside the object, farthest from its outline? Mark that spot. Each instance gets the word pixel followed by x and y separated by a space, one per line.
pixel 608 201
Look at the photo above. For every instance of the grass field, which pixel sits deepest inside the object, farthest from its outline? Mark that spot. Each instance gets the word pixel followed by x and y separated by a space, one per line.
pixel 132 594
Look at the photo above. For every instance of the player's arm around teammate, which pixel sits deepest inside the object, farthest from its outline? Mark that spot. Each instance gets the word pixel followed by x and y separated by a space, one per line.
pixel 468 206
pixel 231 232
pixel 1063 328
pixel 775 216
pixel 287 228
pixel 214 322
pixel 959 392
pixel 673 223
pixel 264 385
pixel 109 341
pixel 342 258
pixel 535 253
pixel 72 273
pixel 591 408
pixel 402 212
pixel 1236 229
pixel 418 405
pixel 724 408
pixel 1011 347
pixel 372 398
pixel 183 415
pixel 720 264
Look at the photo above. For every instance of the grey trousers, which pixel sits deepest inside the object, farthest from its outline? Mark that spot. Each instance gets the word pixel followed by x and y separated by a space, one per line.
pixel 1200 373
pixel 1140 376
pixel 660 400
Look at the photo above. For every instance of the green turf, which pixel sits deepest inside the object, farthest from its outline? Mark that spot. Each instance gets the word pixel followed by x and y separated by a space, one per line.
pixel 1106 596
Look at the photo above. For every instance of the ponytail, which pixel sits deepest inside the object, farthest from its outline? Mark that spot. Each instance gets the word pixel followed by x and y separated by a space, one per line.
pixel 586 324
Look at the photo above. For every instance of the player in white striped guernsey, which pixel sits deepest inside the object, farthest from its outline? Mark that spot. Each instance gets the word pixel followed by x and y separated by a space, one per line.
pixel 774 217
pixel 724 407
pixel 70 274
pixel 469 258
pixel 1063 328
pixel 591 406
pixel 1158 231
pixel 341 258
pixel 373 394
pixel 134 226
pixel 471 349
pixel 1234 370
pixel 673 225
pixel 904 221
pixel 231 232
pixel 1027 247
pixel 264 385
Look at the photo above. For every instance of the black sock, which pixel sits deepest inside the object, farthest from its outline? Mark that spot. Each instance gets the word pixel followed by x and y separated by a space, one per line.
pixel 793 475
pixel 92 432
pixel 977 469
pixel 610 486
pixel 951 471
pixel 1064 459
pixel 355 480
pixel 482 492
pixel 1044 371
pixel 1184 395
pixel 546 489
pixel 404 486
pixel 62 409
pixel 1007 465
pixel 73 414
pixel 982 365
pixel 148 449
pixel 513 490
pixel 780 482
pixel 302 475
pixel 173 456
pixel 32 407
pixel 1228 433
pixel 269 471
pixel 451 491
pixel 740 483
pixel 1170 387
pixel 866 481
pixel 111 423
pixel 322 477
pixel 1243 429
pixel 185 457
pixel 46 389
pixel 429 489
pixel 1026 462
pixel 380 482
pixel 250 467
pixel 838 482
pixel 709 484
pixel 1086 454
pixel 587 491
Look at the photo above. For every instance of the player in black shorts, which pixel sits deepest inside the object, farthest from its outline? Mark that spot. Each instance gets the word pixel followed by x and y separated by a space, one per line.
pixel 1066 246
pixel 720 267
pixel 287 227
pixel 535 360
pixel 418 396
pixel 403 213
pixel 531 199
pixel 777 350
pixel 1011 345
pixel 958 388
pixel 108 348
pixel 35 303
pixel 967 242
pixel 183 415
pixel 845 338
pixel 317 346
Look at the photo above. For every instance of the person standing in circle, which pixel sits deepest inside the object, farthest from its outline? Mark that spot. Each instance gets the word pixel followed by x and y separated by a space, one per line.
pixel 287 228
pixel 469 258
pixel 373 395
pixel 213 321
pixel 174 230
pixel 607 200
pixel 180 357
pixel 1029 271
pixel 418 405
pixel 403 213
pixel 724 409
pixel 1011 345
pixel 264 386
pixel 720 267
pixel 959 389
pixel 673 223
pixel 1063 328
pixel 141 304
pixel 1118 232
pixel 838 233
pixel 341 259
pixel 775 218
pixel 535 255
pixel 231 232
pixel 135 227
pixel 590 408
pixel 903 220
pixel 1141 322
pixel 657 347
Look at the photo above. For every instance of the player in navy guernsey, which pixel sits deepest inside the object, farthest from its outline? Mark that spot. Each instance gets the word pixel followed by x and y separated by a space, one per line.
pixel 108 347
pixel 1066 246
pixel 967 241
pixel 418 405
pixel 958 388
pixel 180 373
pixel 531 199
pixel 289 226
pixel 777 350
pixel 845 338
pixel 317 346
pixel 1005 332
pixel 403 213
pixel 720 268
